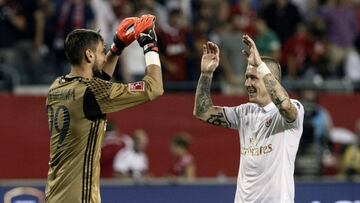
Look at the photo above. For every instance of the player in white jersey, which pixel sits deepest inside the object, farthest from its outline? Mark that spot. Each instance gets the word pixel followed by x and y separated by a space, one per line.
pixel 269 126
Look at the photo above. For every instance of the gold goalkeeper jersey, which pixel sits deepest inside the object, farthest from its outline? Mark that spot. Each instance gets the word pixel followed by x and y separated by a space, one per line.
pixel 76 110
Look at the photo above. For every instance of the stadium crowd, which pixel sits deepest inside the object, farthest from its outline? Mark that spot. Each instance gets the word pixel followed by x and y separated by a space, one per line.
pixel 314 40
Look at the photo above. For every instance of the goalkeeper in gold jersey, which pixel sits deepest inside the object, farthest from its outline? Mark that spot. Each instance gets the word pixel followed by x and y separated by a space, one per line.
pixel 78 102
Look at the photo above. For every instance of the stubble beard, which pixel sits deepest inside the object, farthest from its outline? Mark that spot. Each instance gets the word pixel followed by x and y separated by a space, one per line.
pixel 96 69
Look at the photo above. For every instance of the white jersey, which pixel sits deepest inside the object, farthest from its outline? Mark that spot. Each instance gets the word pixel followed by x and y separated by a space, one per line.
pixel 127 161
pixel 268 148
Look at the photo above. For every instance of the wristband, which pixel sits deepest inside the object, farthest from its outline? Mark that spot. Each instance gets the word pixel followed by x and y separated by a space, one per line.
pixel 152 58
pixel 117 46
pixel 114 50
pixel 262 69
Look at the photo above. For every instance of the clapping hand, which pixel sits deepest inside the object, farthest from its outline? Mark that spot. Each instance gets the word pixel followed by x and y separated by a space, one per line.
pixel 210 58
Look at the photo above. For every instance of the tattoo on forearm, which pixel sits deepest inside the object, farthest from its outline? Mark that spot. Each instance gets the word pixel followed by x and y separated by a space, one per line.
pixel 202 97
pixel 276 91
pixel 218 119
pixel 280 98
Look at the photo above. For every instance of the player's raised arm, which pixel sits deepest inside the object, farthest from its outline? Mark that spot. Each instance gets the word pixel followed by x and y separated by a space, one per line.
pixel 147 39
pixel 113 97
pixel 277 93
pixel 204 108
pixel 125 35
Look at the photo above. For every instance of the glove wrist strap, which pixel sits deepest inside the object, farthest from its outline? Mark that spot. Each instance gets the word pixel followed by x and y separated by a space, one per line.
pixel 117 47
pixel 152 46
pixel 114 50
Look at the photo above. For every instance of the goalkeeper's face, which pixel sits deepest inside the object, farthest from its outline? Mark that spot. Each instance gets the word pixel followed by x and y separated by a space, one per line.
pixel 100 58
pixel 255 87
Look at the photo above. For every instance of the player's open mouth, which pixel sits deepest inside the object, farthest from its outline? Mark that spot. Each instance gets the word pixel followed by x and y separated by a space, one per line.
pixel 251 92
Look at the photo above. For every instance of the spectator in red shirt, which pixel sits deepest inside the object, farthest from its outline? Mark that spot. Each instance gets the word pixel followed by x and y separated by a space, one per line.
pixel 111 145
pixel 183 168
pixel 173 47
pixel 248 16
pixel 295 52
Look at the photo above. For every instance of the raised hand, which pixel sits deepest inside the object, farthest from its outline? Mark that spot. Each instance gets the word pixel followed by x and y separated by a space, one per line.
pixel 125 35
pixel 252 55
pixel 210 58
pixel 145 33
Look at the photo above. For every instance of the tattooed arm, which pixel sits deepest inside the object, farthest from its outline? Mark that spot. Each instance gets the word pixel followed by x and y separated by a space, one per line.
pixel 280 98
pixel 277 93
pixel 204 108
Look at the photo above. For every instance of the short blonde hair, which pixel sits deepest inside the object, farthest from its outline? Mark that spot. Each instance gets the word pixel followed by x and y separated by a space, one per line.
pixel 273 66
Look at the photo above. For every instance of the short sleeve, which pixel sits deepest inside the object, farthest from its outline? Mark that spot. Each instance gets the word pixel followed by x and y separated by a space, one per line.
pixel 113 97
pixel 232 115
pixel 298 123
pixel 121 161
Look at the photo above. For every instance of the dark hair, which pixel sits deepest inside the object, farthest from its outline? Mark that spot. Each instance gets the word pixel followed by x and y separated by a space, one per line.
pixel 182 140
pixel 175 12
pixel 78 41
pixel 273 66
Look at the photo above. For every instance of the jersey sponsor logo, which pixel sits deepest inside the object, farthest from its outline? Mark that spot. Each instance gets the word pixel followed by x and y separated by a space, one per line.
pixel 256 151
pixel 254 142
pixel 137 86
pixel 268 122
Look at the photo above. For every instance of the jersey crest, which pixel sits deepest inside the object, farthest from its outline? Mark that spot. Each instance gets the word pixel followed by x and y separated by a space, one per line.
pixel 268 122
pixel 137 86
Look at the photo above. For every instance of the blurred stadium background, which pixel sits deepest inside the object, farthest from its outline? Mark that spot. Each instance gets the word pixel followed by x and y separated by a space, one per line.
pixel 316 41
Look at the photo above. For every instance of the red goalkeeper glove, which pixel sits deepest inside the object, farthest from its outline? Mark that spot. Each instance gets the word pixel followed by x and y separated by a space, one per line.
pixel 145 33
pixel 125 35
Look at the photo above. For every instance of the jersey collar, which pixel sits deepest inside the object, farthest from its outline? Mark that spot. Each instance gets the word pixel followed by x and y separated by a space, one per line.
pixel 269 107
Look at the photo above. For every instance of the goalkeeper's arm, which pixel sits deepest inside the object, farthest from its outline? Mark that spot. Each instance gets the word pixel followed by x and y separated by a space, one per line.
pixel 148 41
